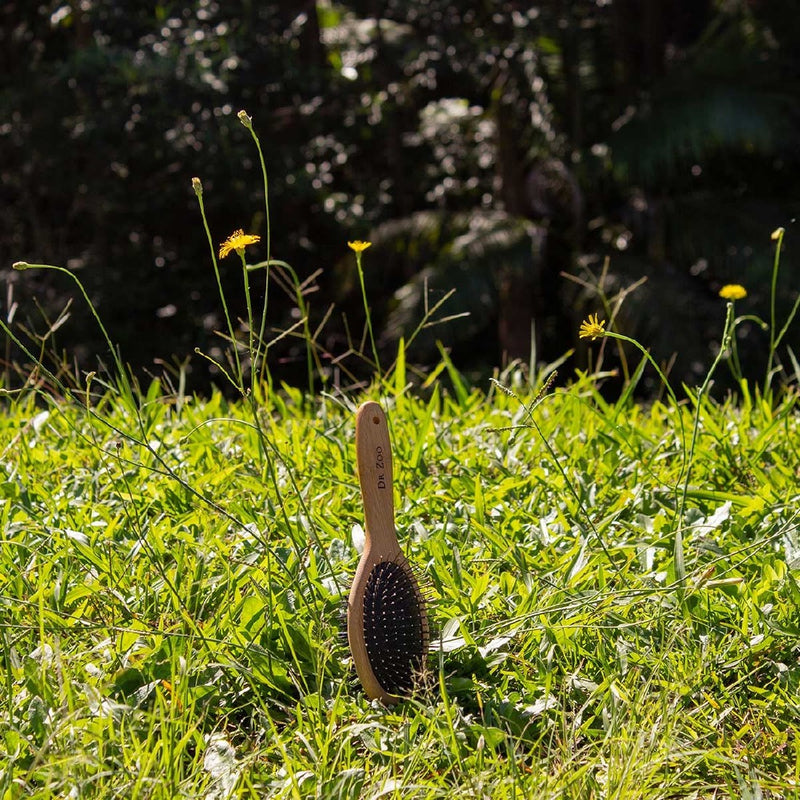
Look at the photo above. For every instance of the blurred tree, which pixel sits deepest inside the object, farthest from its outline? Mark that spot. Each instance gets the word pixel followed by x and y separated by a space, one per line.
pixel 678 120
pixel 524 140
pixel 112 110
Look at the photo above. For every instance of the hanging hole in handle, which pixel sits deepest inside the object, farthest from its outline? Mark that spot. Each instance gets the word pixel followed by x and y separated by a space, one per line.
pixel 376 420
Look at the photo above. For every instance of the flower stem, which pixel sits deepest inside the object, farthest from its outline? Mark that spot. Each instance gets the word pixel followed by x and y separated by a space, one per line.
pixel 773 339
pixel 221 292
pixel 367 312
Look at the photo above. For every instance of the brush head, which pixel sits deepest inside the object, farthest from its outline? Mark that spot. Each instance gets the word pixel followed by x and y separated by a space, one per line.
pixel 395 626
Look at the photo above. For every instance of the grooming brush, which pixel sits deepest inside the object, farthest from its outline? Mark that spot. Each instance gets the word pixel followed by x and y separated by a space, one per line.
pixel 387 625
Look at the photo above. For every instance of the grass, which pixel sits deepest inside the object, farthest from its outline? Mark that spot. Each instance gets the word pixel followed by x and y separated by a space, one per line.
pixel 159 589
pixel 614 586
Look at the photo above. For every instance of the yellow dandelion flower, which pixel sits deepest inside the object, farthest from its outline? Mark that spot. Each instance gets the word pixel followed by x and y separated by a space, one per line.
pixel 237 241
pixel 732 291
pixel 358 246
pixel 591 328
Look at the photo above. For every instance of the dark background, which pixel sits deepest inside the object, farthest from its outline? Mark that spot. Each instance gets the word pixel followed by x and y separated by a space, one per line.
pixel 483 146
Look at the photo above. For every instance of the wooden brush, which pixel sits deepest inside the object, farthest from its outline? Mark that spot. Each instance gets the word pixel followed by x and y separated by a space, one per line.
pixel 387 625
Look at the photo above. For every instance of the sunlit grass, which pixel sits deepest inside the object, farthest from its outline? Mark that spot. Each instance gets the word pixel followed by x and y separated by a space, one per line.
pixel 158 588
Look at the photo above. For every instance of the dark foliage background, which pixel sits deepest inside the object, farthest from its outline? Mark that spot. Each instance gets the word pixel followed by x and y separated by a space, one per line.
pixel 486 147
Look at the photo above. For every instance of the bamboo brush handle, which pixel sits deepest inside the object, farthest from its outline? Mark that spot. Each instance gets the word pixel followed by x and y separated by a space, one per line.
pixel 374 459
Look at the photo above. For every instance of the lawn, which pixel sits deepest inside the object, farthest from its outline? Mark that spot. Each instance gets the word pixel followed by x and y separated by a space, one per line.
pixel 613 594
